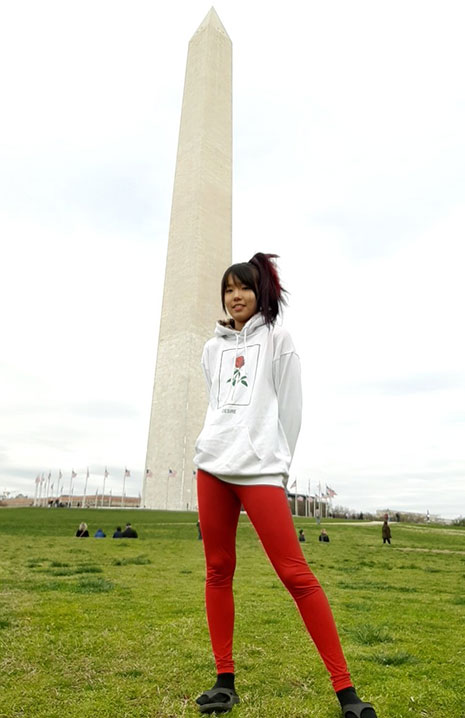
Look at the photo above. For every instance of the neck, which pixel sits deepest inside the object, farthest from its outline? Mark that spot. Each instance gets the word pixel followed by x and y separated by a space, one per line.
pixel 240 325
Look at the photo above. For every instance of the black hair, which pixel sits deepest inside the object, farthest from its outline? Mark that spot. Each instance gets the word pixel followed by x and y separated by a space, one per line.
pixel 261 275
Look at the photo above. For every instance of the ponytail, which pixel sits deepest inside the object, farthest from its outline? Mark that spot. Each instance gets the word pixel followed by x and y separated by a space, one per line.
pixel 270 294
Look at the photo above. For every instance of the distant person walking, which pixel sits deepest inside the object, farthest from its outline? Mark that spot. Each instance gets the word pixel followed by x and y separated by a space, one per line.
pixel 386 533
pixel 82 531
pixel 129 532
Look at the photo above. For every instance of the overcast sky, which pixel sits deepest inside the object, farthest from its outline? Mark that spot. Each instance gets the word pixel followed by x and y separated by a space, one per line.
pixel 349 159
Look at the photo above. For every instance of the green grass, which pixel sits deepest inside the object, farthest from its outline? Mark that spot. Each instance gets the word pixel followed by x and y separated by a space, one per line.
pixel 117 627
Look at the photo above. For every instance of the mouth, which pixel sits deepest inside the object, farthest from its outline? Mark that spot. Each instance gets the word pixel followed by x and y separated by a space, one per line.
pixel 238 306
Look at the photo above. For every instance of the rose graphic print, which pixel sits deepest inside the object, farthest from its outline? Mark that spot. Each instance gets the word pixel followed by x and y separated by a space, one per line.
pixel 237 376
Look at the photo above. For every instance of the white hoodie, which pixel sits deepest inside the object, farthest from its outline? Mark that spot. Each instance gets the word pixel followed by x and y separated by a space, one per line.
pixel 255 404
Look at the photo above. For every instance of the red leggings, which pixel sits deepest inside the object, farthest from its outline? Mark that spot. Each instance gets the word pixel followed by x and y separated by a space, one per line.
pixel 268 510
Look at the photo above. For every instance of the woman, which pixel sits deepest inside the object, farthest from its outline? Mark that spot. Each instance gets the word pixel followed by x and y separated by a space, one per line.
pixel 243 455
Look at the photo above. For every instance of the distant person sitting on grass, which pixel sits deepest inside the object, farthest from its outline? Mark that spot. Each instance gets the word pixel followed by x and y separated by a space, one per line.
pixel 99 534
pixel 323 536
pixel 302 538
pixel 82 531
pixel 386 533
pixel 129 532
pixel 118 533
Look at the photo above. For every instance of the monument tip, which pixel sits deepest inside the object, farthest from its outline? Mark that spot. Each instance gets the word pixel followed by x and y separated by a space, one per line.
pixel 212 20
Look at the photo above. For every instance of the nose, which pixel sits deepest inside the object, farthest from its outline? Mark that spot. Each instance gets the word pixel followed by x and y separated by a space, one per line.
pixel 237 293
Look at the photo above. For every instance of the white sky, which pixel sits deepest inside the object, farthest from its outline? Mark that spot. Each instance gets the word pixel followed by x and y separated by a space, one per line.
pixel 349 158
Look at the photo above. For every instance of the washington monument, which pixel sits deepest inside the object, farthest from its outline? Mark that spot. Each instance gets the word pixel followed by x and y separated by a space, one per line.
pixel 199 250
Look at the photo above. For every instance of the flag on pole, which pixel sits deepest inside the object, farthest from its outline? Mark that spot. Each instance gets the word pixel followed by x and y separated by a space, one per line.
pixel 148 473
pixel 73 474
pixel 105 473
pixel 60 475
pixel 171 472
pixel 127 474
pixel 291 486
pixel 38 479
pixel 330 492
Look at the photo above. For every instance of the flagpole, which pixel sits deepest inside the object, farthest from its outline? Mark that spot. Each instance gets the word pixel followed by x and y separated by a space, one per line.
pixel 318 510
pixel 105 474
pixel 126 474
pixel 47 488
pixel 37 489
pixel 167 488
pixel 60 476
pixel 39 497
pixel 69 490
pixel 85 489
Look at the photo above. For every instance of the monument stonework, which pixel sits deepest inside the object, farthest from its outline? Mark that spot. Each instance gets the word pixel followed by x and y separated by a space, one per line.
pixel 199 250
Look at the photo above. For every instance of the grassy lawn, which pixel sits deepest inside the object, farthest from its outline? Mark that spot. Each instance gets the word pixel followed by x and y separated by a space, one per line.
pixel 108 629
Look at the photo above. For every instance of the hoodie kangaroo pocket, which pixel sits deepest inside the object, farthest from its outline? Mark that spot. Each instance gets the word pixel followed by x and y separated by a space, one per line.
pixel 230 448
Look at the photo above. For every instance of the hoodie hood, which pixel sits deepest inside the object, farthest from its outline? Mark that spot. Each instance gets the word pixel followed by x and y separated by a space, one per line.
pixel 254 323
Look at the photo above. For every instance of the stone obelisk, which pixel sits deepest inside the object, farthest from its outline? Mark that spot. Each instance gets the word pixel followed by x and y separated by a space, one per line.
pixel 199 250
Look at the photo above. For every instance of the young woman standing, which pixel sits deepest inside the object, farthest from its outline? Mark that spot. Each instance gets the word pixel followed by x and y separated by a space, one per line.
pixel 243 455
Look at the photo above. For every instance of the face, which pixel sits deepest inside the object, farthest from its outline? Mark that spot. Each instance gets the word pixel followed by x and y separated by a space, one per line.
pixel 240 302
